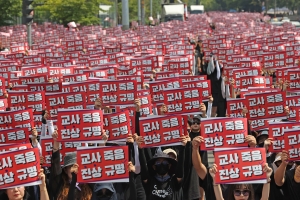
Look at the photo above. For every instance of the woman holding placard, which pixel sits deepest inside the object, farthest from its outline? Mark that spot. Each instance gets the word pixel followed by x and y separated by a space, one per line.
pixel 241 191
pixel 20 193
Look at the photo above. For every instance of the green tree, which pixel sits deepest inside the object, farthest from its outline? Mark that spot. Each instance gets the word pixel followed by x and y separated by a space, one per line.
pixel 210 5
pixel 84 12
pixel 9 10
pixel 293 5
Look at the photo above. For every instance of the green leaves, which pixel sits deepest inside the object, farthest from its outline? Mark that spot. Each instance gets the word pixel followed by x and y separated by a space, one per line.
pixel 9 9
pixel 84 12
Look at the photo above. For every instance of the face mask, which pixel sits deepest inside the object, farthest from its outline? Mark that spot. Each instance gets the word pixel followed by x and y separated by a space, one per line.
pixel 105 198
pixel 162 169
pixel 261 144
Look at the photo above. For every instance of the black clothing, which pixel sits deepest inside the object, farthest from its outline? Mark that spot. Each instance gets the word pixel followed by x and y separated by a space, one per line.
pixel 290 188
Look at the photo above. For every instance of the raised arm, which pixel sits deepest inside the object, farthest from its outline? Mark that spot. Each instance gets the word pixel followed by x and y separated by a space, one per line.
pixel 43 189
pixel 217 187
pixel 143 161
pixel 196 158
pixel 181 158
pixel 266 187
pixel 280 172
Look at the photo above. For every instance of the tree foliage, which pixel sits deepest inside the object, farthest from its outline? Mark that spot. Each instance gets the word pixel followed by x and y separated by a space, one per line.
pixel 84 12
pixel 9 9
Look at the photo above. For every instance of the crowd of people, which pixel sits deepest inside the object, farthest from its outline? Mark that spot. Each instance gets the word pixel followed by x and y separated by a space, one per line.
pixel 174 171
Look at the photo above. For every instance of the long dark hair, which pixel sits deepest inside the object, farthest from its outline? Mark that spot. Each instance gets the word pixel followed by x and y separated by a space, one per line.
pixel 85 194
pixel 3 195
pixel 233 187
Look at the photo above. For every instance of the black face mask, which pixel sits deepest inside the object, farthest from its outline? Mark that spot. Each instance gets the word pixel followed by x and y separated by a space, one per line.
pixel 162 169
pixel 261 144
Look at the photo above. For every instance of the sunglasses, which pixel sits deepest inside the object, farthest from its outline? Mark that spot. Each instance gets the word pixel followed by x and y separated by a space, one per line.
pixel 107 193
pixel 239 192
pixel 195 122
pixel 162 163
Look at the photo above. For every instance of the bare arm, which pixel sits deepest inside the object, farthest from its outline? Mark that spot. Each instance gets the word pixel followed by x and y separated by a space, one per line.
pixel 266 187
pixel 217 187
pixel 43 189
pixel 196 158
pixel 280 172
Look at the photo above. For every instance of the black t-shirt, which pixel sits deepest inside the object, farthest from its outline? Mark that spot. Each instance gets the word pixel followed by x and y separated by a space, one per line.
pixel 208 187
pixel 290 188
pixel 168 190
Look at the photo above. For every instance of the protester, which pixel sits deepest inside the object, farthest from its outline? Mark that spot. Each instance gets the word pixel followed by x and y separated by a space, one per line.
pixel 62 177
pixel 162 175
pixel 161 93
pixel 20 193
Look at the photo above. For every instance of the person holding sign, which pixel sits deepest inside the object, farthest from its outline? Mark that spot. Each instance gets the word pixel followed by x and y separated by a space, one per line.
pixel 162 175
pixel 61 178
pixel 20 193
pixel 241 191
pixel 288 180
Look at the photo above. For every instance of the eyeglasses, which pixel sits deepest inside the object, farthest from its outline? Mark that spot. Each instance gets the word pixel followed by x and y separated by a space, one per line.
pixel 163 162
pixel 239 192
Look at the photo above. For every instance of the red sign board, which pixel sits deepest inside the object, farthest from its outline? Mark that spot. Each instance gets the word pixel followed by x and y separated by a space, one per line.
pixel 240 165
pixel 117 125
pixel 20 168
pixel 161 130
pixel 103 164
pixel 79 125
pixel 224 132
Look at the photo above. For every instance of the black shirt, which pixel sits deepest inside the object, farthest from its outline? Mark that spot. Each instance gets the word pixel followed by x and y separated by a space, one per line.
pixel 168 190
pixel 291 189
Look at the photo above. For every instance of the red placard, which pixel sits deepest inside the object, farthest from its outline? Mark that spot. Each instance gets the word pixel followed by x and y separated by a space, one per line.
pixel 2 86
pixel 203 84
pixel 265 105
pixel 146 105
pixel 118 92
pixel 223 132
pixel 23 100
pixel 92 91
pixel 157 88
pixel 293 78
pixel 65 147
pixel 21 168
pixel 183 100
pixel 161 130
pixel 14 147
pixel 132 112
pixel 75 77
pixel 35 70
pixel 3 104
pixel 47 87
pixel 79 125
pixel 23 80
pixel 235 107
pixel 292 143
pixel 12 136
pixel 73 100
pixel 276 131
pixel 103 164
pixel 117 125
pixel 237 73
pixel 252 81
pixel 17 119
pixel 240 165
